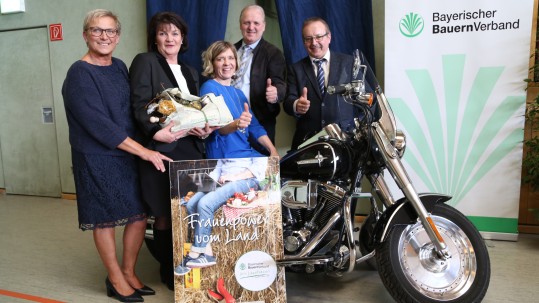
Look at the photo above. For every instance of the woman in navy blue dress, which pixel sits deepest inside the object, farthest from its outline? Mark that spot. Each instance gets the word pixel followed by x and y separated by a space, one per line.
pixel 97 104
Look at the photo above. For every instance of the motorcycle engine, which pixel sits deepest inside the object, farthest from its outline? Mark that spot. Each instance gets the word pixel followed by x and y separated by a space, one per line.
pixel 307 207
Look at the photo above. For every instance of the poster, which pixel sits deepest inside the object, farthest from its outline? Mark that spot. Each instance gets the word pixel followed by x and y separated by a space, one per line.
pixel 229 210
pixel 455 75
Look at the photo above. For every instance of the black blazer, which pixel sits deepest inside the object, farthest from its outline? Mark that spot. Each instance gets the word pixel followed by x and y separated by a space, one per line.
pixel 150 74
pixel 268 62
pixel 330 109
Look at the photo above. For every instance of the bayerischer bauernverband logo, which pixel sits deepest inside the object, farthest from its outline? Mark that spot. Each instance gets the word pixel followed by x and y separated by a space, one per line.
pixel 411 25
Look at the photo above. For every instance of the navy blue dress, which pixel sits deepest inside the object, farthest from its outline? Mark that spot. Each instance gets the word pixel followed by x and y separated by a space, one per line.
pixel 97 104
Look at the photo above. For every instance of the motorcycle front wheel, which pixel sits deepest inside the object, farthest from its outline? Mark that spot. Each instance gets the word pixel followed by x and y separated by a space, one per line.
pixel 412 271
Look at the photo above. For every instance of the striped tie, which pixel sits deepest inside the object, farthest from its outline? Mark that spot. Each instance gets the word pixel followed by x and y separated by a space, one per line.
pixel 246 52
pixel 320 75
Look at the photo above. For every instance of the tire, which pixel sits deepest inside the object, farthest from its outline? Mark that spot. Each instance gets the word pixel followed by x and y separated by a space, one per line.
pixel 411 274
pixel 365 235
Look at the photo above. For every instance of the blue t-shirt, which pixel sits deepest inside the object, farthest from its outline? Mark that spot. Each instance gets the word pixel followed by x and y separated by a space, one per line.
pixel 236 144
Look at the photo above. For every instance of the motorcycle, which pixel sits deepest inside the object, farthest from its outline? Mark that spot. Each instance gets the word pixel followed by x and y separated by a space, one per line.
pixel 424 249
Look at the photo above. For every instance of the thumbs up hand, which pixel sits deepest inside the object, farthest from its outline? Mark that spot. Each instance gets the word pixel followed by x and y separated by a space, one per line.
pixel 302 105
pixel 245 117
pixel 271 92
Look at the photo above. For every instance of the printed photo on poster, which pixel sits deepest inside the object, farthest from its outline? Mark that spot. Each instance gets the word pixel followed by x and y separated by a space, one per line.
pixel 227 230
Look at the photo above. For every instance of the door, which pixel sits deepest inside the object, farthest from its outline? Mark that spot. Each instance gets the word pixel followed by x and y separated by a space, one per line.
pixel 28 144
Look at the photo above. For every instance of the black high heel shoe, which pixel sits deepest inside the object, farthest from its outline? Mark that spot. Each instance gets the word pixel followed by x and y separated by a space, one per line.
pixel 111 291
pixel 145 291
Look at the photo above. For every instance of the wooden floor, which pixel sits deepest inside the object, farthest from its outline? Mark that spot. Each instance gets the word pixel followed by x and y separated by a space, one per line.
pixel 44 257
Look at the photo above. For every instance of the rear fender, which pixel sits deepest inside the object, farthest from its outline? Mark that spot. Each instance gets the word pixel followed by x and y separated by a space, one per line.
pixel 402 212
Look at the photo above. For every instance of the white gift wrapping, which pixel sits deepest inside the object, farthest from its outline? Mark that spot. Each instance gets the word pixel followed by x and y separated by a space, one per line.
pixel 214 112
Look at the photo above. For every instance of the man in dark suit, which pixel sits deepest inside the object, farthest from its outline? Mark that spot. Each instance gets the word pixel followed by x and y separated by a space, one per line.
pixel 306 98
pixel 262 71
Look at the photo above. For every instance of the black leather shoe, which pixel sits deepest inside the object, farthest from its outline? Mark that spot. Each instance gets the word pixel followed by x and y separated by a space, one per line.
pixel 111 291
pixel 145 291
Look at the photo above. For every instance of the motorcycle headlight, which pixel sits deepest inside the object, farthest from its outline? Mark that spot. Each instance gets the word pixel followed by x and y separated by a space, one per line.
pixel 400 142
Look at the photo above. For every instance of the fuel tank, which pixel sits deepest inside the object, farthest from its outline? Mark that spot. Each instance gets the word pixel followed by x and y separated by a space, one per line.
pixel 321 160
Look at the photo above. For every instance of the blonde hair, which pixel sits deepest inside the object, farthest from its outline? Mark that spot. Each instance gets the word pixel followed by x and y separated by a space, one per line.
pixel 99 13
pixel 214 50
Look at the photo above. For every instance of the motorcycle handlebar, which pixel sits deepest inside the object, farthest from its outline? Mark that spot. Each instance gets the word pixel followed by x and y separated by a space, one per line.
pixel 339 89
pixel 356 88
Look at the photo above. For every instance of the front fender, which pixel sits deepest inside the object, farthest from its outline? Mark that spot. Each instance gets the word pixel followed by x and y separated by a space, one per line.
pixel 402 212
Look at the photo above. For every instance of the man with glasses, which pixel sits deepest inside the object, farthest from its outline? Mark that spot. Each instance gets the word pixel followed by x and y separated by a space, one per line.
pixel 307 80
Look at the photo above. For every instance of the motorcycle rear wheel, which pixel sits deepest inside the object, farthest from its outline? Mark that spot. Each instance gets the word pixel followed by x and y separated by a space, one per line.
pixel 411 271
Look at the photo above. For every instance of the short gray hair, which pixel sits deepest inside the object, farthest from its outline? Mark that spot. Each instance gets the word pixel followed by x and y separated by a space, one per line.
pixel 258 7
pixel 99 13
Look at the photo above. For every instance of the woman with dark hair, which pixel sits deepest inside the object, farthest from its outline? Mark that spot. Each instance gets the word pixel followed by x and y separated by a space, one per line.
pixel 101 128
pixel 152 72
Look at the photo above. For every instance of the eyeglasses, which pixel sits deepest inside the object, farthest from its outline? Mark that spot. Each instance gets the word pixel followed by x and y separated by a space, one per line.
pixel 316 38
pixel 97 32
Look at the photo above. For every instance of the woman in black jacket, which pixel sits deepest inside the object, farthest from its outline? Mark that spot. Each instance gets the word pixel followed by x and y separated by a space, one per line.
pixel 150 74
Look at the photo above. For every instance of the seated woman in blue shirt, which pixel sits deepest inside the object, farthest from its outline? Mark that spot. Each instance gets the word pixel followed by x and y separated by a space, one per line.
pixel 220 63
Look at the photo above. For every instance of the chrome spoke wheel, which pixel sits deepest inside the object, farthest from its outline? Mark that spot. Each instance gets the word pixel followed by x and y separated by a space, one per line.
pixel 412 271
pixel 428 273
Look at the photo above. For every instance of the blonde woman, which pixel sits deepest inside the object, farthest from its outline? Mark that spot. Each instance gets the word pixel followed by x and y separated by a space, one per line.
pixel 96 99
